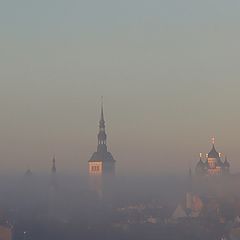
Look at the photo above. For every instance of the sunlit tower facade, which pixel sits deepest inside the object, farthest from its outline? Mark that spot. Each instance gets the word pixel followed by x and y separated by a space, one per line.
pixel 101 166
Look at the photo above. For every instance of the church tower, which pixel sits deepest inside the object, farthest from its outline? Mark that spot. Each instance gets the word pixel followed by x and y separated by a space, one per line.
pixel 102 161
pixel 53 173
pixel 101 165
pixel 53 191
pixel 213 165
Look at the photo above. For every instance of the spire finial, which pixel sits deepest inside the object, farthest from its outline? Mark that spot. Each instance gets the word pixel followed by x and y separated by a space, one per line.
pixel 213 140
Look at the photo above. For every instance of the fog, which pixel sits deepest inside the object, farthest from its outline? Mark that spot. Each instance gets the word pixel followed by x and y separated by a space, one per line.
pixel 37 208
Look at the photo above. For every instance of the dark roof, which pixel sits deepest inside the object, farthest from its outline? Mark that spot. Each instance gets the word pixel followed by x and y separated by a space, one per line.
pixel 102 157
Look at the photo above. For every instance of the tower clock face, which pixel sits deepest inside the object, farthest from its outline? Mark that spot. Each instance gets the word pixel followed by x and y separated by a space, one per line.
pixel 95 168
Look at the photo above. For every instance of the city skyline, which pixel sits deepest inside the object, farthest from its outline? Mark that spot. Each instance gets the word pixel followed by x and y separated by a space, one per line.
pixel 102 147
pixel 119 120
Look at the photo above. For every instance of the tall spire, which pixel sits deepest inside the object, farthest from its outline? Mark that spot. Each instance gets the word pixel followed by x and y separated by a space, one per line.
pixel 102 136
pixel 102 117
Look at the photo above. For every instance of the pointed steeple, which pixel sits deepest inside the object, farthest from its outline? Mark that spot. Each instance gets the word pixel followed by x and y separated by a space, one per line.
pixel 102 136
pixel 54 165
pixel 102 154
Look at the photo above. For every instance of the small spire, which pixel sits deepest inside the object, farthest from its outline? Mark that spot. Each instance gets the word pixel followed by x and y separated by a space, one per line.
pixel 54 165
pixel 102 117
pixel 200 155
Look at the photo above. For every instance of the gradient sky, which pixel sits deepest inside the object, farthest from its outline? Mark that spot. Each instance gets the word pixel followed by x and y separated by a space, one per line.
pixel 168 70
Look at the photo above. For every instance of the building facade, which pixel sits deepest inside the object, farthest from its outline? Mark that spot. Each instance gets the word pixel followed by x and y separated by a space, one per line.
pixel 212 165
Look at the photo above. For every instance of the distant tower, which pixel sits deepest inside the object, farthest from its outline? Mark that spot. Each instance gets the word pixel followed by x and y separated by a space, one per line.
pixel 53 173
pixel 53 191
pixel 200 166
pixel 102 164
pixel 226 166
pixel 28 173
pixel 189 194
pixel 54 166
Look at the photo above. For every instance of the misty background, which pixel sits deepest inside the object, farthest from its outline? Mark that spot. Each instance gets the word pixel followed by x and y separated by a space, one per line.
pixel 168 71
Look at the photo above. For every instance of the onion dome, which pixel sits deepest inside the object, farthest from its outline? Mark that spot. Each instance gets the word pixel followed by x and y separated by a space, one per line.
pixel 213 153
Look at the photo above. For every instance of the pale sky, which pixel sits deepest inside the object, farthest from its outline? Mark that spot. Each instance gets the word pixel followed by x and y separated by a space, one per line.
pixel 168 70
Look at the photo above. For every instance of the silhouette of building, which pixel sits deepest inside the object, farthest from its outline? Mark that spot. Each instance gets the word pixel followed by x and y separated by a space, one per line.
pixel 101 165
pixel 53 191
pixel 54 173
pixel 213 165
pixel 28 173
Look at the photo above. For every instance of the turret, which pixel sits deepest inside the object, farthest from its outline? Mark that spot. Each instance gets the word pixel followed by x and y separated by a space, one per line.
pixel 226 166
pixel 200 168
